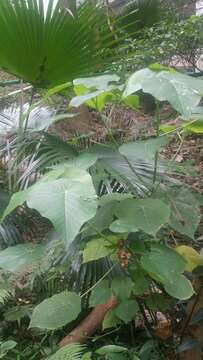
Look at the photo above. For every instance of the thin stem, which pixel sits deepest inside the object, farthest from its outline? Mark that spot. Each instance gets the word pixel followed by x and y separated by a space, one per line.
pixel 98 282
pixel 9 166
pixel 21 109
pixel 179 127
pixel 157 127
pixel 28 112
pixel 171 162
pixel 190 314
pixel 100 233
pixel 157 119
pixel 96 338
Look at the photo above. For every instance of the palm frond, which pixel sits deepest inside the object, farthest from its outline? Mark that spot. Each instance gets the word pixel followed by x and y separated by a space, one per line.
pixel 39 118
pixel 5 295
pixel 6 289
pixel 50 48
pixel 116 173
pixel 23 225
pixel 139 14
pixel 25 157
pixel 81 277
pixel 70 352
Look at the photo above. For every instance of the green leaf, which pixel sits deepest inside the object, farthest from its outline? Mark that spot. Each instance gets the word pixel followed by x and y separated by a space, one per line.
pixel 179 287
pixel 17 199
pixel 101 91
pixel 132 101
pixel 83 161
pixel 5 198
pixel 96 100
pixel 17 258
pixel 99 248
pixel 96 249
pixel 108 199
pixel 191 256
pixel 82 99
pixel 157 301
pixel 110 320
pixel 159 67
pixel 57 311
pixel 141 283
pixel 103 99
pixel 57 89
pixel 127 310
pixel 100 294
pixel 68 203
pixel 135 81
pixel 87 356
pixel 185 212
pixel 6 346
pixel 16 313
pixel 97 82
pixel 137 246
pixel 53 47
pixel 69 352
pixel 122 287
pixel 109 349
pixel 163 263
pixel 167 128
pixel 147 215
pixel 143 149
pixel 195 127
pixel 181 91
pixel 101 220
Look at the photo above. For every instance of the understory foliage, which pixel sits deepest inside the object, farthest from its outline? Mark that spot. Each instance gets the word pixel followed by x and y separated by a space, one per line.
pixel 85 221
pixel 178 42
pixel 112 213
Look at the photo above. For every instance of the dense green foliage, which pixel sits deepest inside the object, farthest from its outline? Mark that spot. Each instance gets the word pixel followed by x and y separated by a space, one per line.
pixel 99 224
pixel 84 222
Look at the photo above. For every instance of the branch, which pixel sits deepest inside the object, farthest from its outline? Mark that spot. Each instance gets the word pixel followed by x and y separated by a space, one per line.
pixel 90 324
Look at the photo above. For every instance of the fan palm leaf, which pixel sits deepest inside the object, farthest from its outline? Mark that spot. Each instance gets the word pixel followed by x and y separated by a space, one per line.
pixel 70 352
pixel 139 14
pixel 50 48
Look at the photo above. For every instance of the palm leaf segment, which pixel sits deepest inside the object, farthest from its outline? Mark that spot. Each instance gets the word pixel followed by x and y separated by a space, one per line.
pixel 137 15
pixel 70 352
pixel 50 48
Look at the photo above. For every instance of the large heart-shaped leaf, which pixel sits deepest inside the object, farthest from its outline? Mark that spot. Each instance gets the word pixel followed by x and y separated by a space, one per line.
pixel 163 263
pixel 68 202
pixel 185 212
pixel 56 311
pixel 166 266
pixel 17 258
pixel 181 91
pixel 147 215
pixel 99 247
pixel 180 288
pixel 127 310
